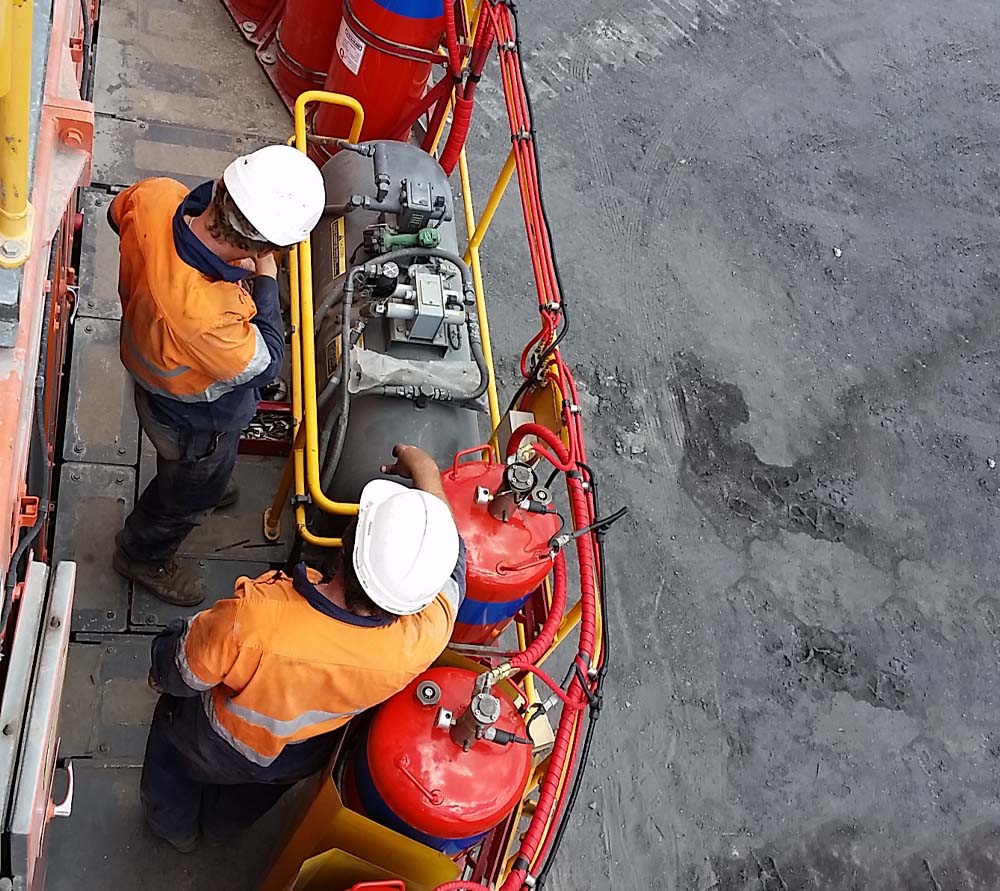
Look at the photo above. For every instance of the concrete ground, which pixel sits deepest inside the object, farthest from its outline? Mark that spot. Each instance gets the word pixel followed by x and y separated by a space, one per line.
pixel 777 221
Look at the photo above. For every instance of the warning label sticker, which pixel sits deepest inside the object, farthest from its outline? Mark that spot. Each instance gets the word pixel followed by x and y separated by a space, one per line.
pixel 350 47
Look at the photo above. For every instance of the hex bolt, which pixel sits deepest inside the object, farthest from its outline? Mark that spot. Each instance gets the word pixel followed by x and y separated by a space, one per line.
pixel 10 249
pixel 55 622
pixel 79 449
pixel 75 477
pixel 122 450
pixel 268 58
pixel 249 27
pixel 89 329
pixel 150 620
pixel 110 613
pixel 72 137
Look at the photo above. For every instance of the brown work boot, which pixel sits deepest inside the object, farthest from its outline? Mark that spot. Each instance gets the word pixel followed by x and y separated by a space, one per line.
pixel 167 580
pixel 230 496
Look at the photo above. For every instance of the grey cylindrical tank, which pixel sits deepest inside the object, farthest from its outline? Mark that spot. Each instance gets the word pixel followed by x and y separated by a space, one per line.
pixel 378 422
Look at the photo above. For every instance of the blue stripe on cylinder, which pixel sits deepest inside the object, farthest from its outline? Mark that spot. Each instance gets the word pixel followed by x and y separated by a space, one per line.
pixel 414 9
pixel 482 612
pixel 376 808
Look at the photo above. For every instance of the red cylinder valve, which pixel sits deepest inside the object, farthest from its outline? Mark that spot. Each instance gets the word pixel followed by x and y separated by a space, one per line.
pixel 507 553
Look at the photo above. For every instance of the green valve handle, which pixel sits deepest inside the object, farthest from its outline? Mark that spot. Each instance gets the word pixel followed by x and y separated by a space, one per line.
pixel 427 237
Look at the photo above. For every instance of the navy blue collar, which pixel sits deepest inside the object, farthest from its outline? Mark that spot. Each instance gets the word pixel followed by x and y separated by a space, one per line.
pixel 318 602
pixel 191 249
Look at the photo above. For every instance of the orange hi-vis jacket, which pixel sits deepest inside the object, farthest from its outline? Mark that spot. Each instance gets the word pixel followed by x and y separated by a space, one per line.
pixel 274 668
pixel 184 335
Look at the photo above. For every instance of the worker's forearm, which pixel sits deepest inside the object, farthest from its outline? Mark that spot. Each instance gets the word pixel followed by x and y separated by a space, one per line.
pixel 272 330
pixel 427 477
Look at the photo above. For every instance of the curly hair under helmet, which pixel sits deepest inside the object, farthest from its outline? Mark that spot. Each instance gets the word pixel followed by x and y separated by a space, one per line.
pixel 230 226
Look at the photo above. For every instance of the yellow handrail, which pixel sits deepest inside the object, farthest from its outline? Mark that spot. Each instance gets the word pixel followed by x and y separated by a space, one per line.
pixel 15 97
pixel 472 258
pixel 303 260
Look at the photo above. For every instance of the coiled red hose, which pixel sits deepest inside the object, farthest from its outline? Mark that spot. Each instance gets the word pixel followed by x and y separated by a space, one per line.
pixel 547 634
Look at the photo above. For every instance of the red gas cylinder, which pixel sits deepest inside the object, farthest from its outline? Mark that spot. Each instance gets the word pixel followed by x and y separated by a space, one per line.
pixel 304 44
pixel 250 13
pixel 507 554
pixel 410 775
pixel 383 58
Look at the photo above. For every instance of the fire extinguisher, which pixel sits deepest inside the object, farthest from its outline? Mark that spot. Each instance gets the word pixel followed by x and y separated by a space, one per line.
pixel 383 57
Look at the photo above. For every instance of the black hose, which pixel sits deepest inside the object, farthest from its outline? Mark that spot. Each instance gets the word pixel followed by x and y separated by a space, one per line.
pixel 23 545
pixel 331 300
pixel 86 87
pixel 331 458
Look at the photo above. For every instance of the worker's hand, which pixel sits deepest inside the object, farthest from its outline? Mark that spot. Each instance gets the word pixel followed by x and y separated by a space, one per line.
pixel 410 462
pixel 247 263
pixel 266 265
pixel 153 685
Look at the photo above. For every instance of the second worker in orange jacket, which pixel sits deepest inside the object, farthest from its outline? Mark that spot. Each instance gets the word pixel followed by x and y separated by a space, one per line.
pixel 253 687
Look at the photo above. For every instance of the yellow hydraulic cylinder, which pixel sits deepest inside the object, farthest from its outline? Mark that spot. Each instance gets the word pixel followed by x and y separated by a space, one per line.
pixel 15 75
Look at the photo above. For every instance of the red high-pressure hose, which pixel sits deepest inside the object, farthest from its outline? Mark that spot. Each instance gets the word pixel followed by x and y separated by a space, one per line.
pixel 544 639
pixel 539 836
pixel 461 120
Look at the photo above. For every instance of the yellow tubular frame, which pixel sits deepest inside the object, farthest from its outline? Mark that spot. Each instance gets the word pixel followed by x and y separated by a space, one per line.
pixel 16 213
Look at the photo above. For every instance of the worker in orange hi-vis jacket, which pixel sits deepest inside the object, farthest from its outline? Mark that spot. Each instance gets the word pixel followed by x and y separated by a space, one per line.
pixel 252 688
pixel 201 332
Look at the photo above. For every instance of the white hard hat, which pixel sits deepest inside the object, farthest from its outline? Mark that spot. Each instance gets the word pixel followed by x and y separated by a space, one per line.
pixel 280 192
pixel 405 548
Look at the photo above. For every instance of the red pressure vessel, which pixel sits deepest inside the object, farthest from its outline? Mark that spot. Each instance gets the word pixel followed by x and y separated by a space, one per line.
pixel 385 84
pixel 255 10
pixel 408 773
pixel 505 562
pixel 304 44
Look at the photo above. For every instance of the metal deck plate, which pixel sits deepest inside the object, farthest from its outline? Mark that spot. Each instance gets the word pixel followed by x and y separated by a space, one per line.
pixel 220 575
pixel 126 151
pixel 98 259
pixel 235 533
pixel 183 63
pixel 106 845
pixel 107 704
pixel 101 423
pixel 94 500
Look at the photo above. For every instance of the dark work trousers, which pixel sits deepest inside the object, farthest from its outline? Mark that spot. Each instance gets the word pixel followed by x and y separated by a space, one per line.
pixel 192 471
pixel 194 783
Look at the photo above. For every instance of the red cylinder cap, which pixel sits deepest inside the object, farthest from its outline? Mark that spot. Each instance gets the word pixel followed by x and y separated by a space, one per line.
pixel 427 780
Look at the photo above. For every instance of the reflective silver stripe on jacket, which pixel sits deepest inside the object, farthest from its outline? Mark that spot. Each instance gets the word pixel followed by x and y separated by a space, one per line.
pixel 258 364
pixel 290 727
pixel 273 725
pixel 183 667
pixel 149 366
pixel 208 703
pixel 451 593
